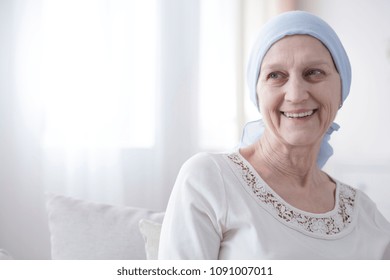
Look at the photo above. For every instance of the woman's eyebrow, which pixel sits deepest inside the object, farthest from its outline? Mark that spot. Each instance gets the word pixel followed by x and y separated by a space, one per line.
pixel 320 63
pixel 271 66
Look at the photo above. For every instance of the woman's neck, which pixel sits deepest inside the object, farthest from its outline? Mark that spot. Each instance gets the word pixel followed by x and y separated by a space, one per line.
pixel 276 161
pixel 292 172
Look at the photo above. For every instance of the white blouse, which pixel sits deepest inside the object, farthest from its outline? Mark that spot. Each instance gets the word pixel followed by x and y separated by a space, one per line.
pixel 220 208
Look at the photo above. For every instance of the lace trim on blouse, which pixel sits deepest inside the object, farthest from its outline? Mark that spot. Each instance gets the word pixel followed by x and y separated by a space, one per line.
pixel 329 225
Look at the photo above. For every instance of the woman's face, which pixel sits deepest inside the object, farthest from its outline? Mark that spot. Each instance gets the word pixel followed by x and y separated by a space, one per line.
pixel 299 90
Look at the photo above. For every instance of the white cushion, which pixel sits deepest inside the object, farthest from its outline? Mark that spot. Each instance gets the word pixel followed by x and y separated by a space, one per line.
pixel 87 230
pixel 150 231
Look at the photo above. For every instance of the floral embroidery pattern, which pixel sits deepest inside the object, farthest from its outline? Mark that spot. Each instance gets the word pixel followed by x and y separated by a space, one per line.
pixel 319 225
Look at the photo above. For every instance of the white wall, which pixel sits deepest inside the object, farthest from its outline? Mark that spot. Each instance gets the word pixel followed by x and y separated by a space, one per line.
pixel 362 151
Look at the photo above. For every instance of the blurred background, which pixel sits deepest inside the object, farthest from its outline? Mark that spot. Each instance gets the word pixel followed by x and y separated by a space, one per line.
pixel 104 100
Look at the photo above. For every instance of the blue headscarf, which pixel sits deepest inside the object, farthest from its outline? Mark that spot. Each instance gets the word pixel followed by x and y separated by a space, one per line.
pixel 294 23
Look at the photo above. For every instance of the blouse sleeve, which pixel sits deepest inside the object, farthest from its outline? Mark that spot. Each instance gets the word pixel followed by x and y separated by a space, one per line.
pixel 384 225
pixel 194 218
pixel 381 225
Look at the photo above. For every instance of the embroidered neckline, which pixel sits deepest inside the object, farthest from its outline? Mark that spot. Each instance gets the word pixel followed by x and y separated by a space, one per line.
pixel 330 224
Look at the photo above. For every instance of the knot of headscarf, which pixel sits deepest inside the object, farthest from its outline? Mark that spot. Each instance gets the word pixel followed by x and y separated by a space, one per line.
pixel 296 23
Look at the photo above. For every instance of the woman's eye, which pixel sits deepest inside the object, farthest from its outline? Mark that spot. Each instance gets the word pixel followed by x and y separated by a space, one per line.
pixel 314 73
pixel 274 75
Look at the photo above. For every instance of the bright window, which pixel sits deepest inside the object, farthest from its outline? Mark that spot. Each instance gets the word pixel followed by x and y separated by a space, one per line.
pixel 98 73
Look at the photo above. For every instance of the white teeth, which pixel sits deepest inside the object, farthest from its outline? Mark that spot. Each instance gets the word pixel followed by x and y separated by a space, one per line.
pixel 298 115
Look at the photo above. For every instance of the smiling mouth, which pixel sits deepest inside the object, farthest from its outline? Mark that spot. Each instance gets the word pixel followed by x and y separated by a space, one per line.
pixel 299 115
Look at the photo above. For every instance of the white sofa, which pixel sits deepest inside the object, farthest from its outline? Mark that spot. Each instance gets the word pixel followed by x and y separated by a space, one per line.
pixel 82 230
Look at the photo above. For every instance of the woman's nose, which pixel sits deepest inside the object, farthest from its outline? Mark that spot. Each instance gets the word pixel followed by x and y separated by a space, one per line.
pixel 296 90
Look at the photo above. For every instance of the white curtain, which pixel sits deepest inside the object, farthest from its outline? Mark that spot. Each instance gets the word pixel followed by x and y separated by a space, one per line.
pixel 23 225
pixel 98 87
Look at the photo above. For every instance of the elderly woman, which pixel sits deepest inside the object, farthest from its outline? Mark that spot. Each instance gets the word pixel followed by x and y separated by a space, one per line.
pixel 270 199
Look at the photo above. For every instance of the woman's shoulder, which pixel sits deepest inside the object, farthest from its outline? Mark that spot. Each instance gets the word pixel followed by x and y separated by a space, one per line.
pixel 362 201
pixel 366 203
pixel 361 198
pixel 205 161
pixel 201 179
pixel 354 196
